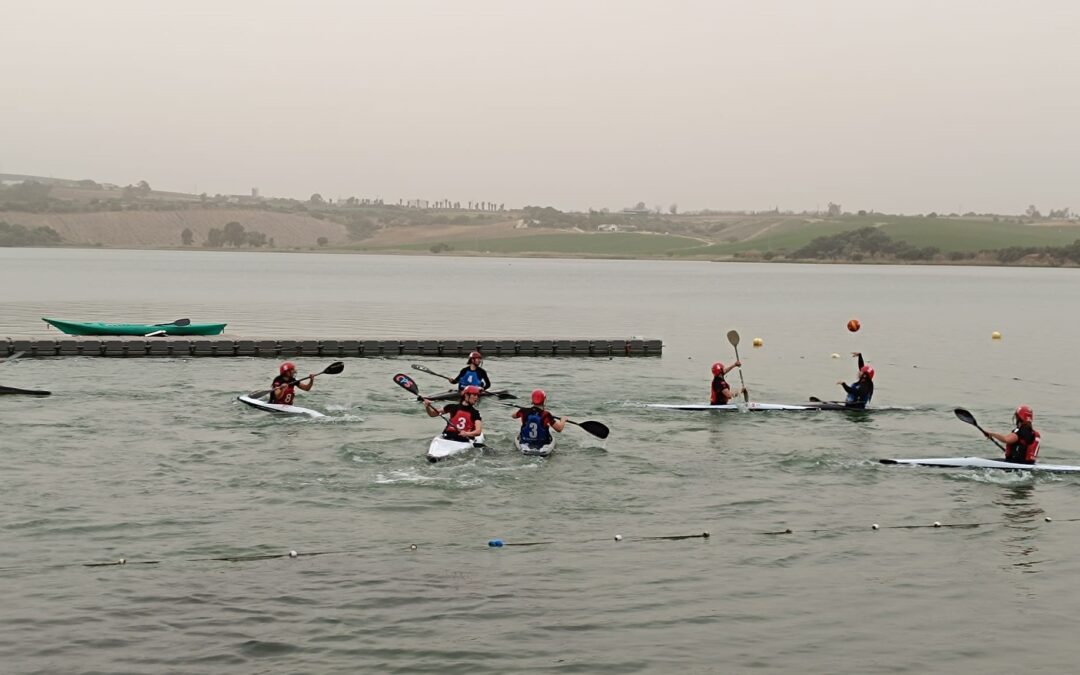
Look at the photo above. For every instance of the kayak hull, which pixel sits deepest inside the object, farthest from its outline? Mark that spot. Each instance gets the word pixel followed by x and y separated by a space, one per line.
pixel 445 448
pixel 454 394
pixel 534 451
pixel 99 328
pixel 752 406
pixel 278 408
pixel 15 391
pixel 982 463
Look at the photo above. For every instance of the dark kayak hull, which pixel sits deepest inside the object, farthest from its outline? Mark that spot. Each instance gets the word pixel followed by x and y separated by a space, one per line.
pixel 453 395
pixel 15 391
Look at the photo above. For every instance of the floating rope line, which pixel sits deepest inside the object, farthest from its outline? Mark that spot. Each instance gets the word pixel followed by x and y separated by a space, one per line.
pixel 499 543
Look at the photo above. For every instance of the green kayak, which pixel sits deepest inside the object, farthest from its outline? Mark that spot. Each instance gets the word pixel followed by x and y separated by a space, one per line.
pixel 178 327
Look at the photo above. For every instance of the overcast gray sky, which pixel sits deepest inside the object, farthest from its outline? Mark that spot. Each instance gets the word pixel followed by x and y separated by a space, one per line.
pixel 900 106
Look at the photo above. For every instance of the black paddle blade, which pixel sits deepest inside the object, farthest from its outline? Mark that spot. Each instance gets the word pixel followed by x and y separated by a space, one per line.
pixel 965 416
pixel 178 322
pixel 597 429
pixel 733 337
pixel 334 368
pixel 405 382
pixel 504 395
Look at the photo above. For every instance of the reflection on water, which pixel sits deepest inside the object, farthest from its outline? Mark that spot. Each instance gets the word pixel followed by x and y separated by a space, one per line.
pixel 1022 517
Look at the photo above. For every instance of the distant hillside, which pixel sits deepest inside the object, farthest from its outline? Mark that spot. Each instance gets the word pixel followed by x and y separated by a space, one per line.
pixel 86 213
pixel 151 229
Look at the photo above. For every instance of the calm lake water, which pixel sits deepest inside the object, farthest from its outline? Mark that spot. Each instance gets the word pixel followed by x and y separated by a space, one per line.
pixel 155 462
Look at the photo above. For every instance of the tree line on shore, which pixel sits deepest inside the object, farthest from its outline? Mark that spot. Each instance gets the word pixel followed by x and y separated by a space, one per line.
pixel 20 235
pixel 871 244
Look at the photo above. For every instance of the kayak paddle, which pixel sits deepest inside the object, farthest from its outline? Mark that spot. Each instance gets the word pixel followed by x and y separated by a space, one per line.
pixel 178 322
pixel 598 429
pixel 593 427
pixel 965 416
pixel 733 338
pixel 501 393
pixel 429 371
pixel 408 384
pixel 12 357
pixel 332 369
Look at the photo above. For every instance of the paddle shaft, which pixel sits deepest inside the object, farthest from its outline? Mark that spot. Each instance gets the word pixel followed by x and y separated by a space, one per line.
pixel 429 371
pixel 989 438
pixel 332 369
pixel 733 338
pixel 966 416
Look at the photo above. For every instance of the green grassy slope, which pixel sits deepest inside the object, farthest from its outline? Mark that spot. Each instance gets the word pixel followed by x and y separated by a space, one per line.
pixel 601 243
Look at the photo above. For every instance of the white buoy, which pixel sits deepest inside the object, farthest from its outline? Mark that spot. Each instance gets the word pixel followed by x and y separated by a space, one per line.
pixel 937 524
pixel 122 561
pixel 618 537
pixel 874 526
pixel 293 554
pixel 835 355
pixel 412 547
pixel 1048 519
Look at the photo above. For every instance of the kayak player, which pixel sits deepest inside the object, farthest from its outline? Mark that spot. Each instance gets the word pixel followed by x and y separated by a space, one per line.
pixel 861 391
pixel 536 422
pixel 472 374
pixel 721 392
pixel 1022 443
pixel 465 423
pixel 283 392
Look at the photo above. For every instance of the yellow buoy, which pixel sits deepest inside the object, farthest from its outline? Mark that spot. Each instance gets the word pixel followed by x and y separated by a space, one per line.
pixel 995 335
pixel 758 342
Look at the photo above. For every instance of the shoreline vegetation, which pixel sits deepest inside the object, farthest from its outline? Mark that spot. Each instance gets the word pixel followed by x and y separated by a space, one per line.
pixel 36 211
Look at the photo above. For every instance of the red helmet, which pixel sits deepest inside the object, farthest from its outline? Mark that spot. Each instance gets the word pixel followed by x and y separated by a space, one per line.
pixel 286 367
pixel 1025 414
pixel 476 357
pixel 717 368
pixel 538 397
pixel 471 390
pixel 867 371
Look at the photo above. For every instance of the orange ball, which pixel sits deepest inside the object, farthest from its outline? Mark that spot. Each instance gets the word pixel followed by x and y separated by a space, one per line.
pixel 854 325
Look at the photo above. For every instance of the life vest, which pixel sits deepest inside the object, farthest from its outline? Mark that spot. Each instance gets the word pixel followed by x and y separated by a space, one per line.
pixel 287 396
pixel 858 393
pixel 534 429
pixel 462 419
pixel 1021 451
pixel 470 377
pixel 718 385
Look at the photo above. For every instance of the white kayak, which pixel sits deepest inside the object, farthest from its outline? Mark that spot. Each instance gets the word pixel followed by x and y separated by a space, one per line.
pixel 278 407
pixel 753 405
pixel 981 463
pixel 534 450
pixel 444 448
